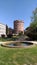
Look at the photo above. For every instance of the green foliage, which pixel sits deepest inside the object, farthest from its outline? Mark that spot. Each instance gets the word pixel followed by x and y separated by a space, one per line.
pixel 34 16
pixel 21 33
pixel 34 19
pixel 7 29
pixel 9 35
pixel 32 29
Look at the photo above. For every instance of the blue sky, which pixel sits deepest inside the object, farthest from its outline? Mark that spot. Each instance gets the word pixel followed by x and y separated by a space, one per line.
pixel 11 10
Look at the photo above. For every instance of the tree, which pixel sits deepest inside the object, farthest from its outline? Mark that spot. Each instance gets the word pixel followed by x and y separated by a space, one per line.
pixel 34 19
pixel 33 25
pixel 7 29
pixel 32 29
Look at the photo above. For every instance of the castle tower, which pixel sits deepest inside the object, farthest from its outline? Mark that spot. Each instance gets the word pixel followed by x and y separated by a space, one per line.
pixel 18 26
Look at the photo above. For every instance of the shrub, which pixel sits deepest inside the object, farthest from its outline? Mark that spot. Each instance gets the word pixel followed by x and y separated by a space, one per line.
pixel 9 35
pixel 2 35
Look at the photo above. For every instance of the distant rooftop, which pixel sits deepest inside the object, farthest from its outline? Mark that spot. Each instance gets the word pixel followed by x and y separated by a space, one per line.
pixel 2 23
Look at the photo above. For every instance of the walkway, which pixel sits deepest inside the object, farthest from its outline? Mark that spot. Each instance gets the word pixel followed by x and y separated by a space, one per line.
pixel 34 42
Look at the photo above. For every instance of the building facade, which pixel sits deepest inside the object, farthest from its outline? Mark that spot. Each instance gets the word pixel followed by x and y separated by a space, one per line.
pixel 2 29
pixel 18 26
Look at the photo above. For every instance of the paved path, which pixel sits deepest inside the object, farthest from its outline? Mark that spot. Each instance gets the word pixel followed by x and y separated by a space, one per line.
pixel 34 42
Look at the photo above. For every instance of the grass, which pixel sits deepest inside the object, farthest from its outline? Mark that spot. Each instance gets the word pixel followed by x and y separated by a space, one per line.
pixel 18 56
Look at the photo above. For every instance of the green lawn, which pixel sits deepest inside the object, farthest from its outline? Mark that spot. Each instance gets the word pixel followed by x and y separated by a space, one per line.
pixel 18 56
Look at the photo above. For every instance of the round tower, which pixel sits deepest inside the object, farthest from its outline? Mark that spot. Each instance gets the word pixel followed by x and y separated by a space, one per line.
pixel 18 26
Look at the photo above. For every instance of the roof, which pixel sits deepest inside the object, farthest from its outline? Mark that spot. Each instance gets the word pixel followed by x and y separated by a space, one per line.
pixel 2 24
pixel 18 21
